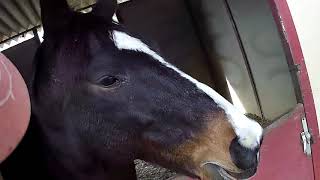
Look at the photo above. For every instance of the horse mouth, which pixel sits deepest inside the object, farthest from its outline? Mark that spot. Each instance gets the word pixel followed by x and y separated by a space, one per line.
pixel 213 170
pixel 234 176
pixel 225 174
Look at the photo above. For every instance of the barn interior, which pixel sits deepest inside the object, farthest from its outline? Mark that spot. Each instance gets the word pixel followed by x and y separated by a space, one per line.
pixel 233 46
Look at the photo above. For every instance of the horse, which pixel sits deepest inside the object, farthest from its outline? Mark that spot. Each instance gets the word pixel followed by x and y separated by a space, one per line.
pixel 102 98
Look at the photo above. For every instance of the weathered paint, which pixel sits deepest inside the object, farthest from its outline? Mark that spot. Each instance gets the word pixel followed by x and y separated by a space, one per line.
pixel 282 156
pixel 304 15
pixel 282 14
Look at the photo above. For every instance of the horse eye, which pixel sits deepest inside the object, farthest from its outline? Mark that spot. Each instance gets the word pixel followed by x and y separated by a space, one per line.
pixel 108 81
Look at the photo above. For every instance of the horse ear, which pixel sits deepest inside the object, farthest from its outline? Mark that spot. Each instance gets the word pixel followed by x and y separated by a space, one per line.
pixel 55 14
pixel 105 9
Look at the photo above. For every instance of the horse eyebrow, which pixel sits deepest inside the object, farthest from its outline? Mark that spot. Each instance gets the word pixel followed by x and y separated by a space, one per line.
pixel 248 131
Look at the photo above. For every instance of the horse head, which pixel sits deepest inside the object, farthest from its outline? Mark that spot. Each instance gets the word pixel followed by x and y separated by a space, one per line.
pixel 102 96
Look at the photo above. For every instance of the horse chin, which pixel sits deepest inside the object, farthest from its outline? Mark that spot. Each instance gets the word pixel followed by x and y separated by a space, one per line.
pixel 213 169
pixel 244 175
pixel 210 171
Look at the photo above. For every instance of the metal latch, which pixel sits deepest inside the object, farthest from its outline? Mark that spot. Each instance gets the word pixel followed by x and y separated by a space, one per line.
pixel 306 137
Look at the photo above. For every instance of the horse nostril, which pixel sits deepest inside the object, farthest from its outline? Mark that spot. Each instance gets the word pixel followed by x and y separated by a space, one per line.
pixel 244 158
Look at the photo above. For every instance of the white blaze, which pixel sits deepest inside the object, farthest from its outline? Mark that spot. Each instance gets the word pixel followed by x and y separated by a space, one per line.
pixel 248 131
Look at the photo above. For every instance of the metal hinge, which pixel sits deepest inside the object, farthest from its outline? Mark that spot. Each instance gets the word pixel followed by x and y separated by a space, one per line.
pixel 306 137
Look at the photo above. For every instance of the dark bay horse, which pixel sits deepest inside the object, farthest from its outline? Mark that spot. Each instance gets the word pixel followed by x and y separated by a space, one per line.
pixel 102 98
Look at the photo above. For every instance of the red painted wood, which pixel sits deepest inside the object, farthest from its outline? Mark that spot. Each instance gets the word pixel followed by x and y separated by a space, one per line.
pixel 282 157
pixel 284 18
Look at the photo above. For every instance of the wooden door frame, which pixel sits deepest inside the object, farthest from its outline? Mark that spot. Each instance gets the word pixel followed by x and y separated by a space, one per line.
pixel 285 23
